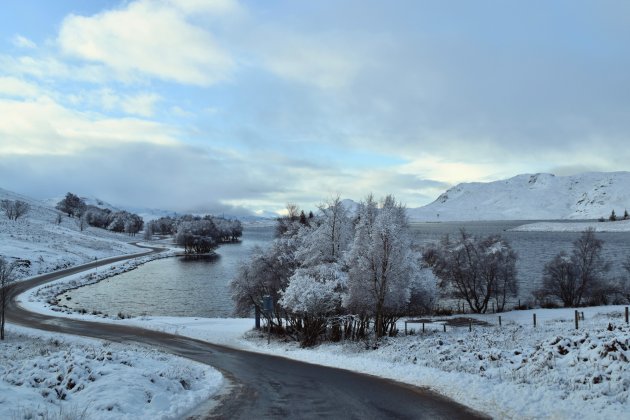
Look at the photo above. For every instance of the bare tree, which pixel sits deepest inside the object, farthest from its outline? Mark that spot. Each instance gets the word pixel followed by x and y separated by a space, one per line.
pixel 6 278
pixel 14 209
pixel 287 224
pixel 572 278
pixel 475 269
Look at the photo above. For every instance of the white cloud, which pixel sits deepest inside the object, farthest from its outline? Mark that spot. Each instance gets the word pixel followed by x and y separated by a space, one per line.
pixel 219 8
pixel 148 38
pixel 43 127
pixel 309 59
pixel 50 68
pixel 17 88
pixel 23 42
pixel 140 104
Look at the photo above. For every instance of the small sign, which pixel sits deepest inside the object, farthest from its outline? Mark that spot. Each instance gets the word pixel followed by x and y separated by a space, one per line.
pixel 267 303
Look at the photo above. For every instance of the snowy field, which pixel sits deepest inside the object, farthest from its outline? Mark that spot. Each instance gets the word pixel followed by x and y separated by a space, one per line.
pixel 44 246
pixel 56 376
pixel 513 371
pixel 618 226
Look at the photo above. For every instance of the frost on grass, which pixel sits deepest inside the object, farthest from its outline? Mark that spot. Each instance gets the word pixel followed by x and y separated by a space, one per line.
pixel 46 377
pixel 514 371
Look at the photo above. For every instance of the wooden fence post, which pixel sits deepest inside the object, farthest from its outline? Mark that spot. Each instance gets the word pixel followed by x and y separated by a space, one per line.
pixel 499 320
pixel 444 325
pixel 423 327
pixel 534 320
pixel 577 320
pixel 470 325
pixel 626 314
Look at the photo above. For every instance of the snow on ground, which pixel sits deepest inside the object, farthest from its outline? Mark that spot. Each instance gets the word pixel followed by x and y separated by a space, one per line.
pixel 44 246
pixel 618 226
pixel 514 371
pixel 46 375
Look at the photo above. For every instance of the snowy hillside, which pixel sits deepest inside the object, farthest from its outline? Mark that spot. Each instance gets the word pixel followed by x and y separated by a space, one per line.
pixel 532 197
pixel 43 245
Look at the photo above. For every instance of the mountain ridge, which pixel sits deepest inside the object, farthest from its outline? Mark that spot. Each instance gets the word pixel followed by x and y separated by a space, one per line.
pixel 540 196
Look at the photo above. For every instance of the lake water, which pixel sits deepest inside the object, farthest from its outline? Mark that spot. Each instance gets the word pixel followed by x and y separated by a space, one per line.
pixel 173 286
pixel 179 287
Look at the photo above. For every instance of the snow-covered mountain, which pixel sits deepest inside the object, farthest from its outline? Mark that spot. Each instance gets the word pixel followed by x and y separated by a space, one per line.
pixel 532 197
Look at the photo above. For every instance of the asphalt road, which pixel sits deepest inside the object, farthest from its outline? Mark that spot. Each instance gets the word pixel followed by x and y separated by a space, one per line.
pixel 260 386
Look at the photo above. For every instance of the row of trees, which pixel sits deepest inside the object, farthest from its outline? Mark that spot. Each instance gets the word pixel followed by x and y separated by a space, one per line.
pixel 482 270
pixel 116 221
pixel 198 235
pixel 14 209
pixel 337 274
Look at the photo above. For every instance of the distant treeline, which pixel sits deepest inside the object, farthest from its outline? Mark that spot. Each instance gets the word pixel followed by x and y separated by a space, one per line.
pixel 116 221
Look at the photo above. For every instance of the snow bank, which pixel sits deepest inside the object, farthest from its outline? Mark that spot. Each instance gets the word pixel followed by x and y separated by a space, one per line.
pixel 618 226
pixel 46 375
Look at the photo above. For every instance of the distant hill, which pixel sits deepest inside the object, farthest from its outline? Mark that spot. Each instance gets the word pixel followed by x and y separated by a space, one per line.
pixel 46 240
pixel 532 197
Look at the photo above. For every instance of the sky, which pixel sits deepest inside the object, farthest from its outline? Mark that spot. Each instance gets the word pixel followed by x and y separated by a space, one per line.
pixel 240 107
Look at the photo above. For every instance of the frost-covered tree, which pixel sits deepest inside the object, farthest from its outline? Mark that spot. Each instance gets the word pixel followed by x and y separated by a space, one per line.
pixel 266 273
pixel 14 209
pixel 6 278
pixel 474 269
pixel 572 278
pixel 72 205
pixel 97 217
pixel 148 232
pixel 313 295
pixel 382 263
pixel 197 236
pixel 329 238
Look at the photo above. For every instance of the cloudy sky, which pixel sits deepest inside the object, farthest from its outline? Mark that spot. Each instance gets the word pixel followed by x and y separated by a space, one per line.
pixel 226 105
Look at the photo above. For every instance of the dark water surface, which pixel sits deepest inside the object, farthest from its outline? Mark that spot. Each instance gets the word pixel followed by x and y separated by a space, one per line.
pixel 177 287
pixel 173 286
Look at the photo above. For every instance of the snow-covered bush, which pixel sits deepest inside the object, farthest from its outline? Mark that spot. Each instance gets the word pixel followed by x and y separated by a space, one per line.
pixel 313 295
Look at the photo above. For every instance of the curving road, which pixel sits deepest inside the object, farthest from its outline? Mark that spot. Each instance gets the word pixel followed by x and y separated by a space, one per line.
pixel 260 386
